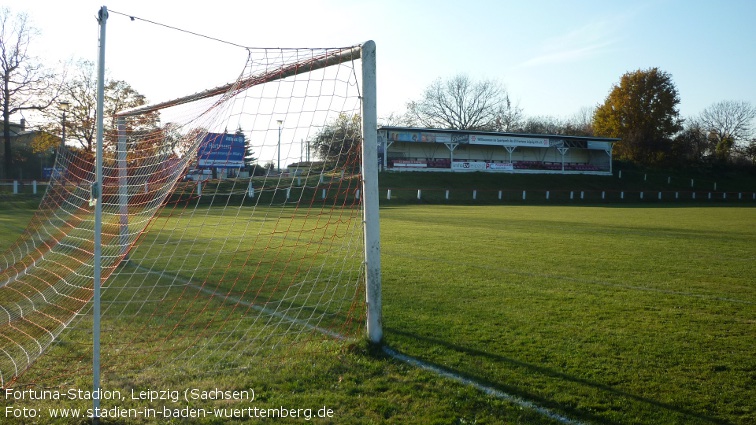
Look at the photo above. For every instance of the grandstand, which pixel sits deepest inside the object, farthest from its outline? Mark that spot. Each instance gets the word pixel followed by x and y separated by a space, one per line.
pixel 429 149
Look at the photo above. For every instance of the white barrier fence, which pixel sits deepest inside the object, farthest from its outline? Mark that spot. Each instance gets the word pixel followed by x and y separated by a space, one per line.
pixel 564 195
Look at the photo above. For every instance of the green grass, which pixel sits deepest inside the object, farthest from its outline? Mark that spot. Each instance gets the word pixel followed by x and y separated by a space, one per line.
pixel 626 314
pixel 614 315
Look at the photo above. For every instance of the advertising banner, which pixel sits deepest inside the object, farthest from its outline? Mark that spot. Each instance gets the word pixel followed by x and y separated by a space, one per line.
pixel 460 138
pixel 49 173
pixel 404 136
pixel 409 164
pixel 411 136
pixel 435 137
pixel 468 166
pixel 480 166
pixel 221 151
pixel 500 166
pixel 604 146
pixel 536 142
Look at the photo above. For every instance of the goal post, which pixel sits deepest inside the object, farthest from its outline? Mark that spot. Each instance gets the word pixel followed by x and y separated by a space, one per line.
pixel 370 189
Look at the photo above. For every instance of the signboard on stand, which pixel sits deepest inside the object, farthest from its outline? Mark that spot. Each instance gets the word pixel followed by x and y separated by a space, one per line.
pixel 221 150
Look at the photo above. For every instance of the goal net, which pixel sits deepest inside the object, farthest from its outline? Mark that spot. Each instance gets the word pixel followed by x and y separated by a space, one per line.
pixel 232 230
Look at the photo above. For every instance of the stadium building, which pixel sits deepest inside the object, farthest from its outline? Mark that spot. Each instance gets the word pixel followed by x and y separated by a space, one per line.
pixel 428 149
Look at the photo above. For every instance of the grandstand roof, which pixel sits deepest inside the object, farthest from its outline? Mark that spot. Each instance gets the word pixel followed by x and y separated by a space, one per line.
pixel 477 132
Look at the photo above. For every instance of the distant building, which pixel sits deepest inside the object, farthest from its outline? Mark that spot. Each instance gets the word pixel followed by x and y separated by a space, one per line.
pixel 428 149
pixel 27 164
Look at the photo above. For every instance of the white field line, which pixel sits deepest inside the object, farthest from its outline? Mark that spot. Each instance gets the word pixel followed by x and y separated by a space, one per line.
pixel 228 298
pixel 477 385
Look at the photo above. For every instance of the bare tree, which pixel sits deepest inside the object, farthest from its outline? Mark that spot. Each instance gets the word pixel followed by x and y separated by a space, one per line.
pixel 393 120
pixel 509 116
pixel 728 124
pixel 26 84
pixel 544 124
pixel 577 125
pixel 581 122
pixel 463 104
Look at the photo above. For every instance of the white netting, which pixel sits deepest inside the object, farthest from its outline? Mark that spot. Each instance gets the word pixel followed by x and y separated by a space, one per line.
pixel 205 266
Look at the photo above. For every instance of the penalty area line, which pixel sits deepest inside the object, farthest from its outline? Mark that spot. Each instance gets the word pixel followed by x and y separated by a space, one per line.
pixel 477 385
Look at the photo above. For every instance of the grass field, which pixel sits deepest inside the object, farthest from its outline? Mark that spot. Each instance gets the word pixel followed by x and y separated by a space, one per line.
pixel 613 315
pixel 620 315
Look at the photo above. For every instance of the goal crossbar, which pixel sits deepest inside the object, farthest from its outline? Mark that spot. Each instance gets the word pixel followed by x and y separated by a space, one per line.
pixel 313 64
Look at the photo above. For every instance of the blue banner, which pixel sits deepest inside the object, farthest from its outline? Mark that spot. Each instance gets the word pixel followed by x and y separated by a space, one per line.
pixel 221 151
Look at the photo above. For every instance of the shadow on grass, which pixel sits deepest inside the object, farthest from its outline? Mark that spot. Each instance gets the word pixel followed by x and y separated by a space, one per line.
pixel 541 401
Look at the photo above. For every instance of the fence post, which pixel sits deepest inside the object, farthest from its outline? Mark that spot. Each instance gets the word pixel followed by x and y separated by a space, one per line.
pixel 388 194
pixel 523 195
pixel 446 195
pixel 34 187
pixel 500 195
pixel 547 195
pixel 419 194
pixel 15 187
pixel 475 194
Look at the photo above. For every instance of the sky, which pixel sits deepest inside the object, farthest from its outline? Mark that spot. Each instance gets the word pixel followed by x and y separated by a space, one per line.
pixel 554 57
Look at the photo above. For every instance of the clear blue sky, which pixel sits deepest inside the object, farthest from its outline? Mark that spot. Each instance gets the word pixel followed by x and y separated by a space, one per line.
pixel 554 57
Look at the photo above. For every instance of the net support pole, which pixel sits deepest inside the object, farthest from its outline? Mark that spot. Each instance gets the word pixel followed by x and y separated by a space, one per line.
pixel 370 191
pixel 123 188
pixel 97 197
